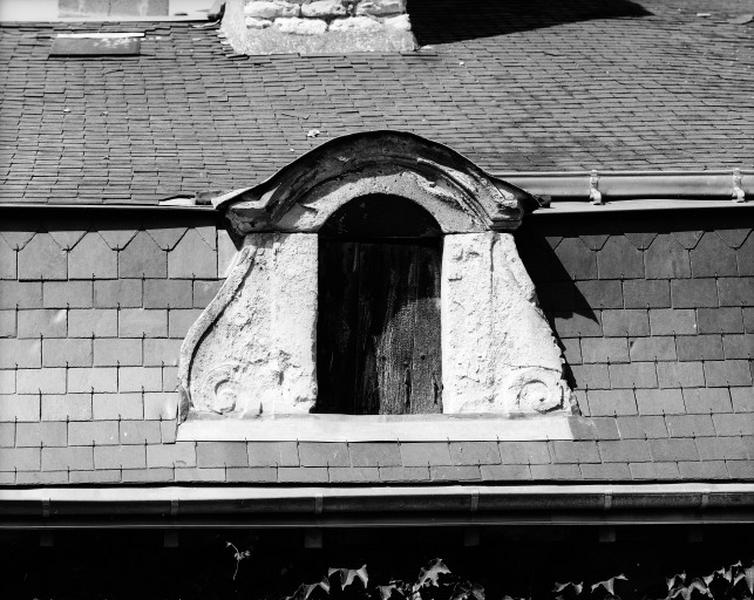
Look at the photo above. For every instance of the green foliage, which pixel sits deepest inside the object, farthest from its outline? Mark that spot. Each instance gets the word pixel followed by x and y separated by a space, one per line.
pixel 436 581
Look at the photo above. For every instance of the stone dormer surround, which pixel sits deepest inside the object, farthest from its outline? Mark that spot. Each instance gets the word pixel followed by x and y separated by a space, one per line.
pixel 252 353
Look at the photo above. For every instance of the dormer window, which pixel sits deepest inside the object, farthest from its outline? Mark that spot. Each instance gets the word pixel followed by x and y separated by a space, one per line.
pixel 376 276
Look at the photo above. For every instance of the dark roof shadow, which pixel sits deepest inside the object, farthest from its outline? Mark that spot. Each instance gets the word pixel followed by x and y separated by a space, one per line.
pixel 444 21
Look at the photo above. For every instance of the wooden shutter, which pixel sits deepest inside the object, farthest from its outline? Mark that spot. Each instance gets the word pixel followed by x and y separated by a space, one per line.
pixel 378 334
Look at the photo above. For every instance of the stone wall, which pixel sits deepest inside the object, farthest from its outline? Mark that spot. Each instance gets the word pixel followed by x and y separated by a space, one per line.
pixel 318 26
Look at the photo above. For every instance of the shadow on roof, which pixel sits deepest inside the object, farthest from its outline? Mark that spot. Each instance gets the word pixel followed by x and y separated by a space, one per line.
pixel 444 21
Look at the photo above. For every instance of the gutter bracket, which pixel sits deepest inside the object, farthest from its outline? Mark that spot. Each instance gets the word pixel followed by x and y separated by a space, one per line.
pixel 595 196
pixel 739 195
pixel 46 509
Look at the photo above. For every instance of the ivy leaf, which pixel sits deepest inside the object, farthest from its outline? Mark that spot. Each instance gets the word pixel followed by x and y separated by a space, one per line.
pixel 747 575
pixel 609 584
pixel 394 587
pixel 686 591
pixel 431 573
pixel 675 580
pixel 348 576
pixel 562 587
pixel 305 590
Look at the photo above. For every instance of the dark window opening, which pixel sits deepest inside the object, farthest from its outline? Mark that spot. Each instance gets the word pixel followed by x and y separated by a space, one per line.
pixel 378 328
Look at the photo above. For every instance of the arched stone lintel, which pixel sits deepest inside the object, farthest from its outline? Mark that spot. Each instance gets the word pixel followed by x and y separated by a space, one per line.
pixel 302 195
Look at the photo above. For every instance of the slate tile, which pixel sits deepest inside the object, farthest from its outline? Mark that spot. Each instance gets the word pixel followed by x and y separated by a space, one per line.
pixel 652 348
pixel 41 434
pixel 92 433
pixel 738 346
pixel 194 475
pixel 265 454
pixel 606 471
pixel 720 320
pixel 21 295
pixel 73 407
pixel 303 475
pixel 703 470
pixel 682 426
pixel 42 258
pixel 20 353
pixel 732 424
pixel 92 259
pixel 745 257
pixel 92 379
pixel 67 294
pixel 575 452
pixel 324 454
pixel 624 451
pixel 140 379
pixel 404 474
pixel 591 377
pixel 139 432
pixel 611 402
pixel 117 351
pixel 723 373
pixel 646 293
pixel 41 381
pixel 601 294
pixel 524 453
pixel 604 350
pixel 8 258
pixel 455 473
pixel 180 321
pixel 722 448
pixel 736 291
pixel 21 459
pixel 420 454
pixel 204 292
pixel 138 322
pixel 742 399
pixel 680 374
pixel 660 402
pixel 740 469
pixel 642 427
pixel 693 293
pixel 707 400
pixel 577 259
pixel 505 472
pixel 192 258
pixel 221 454
pixel 98 322
pixel 167 293
pixel 71 352
pixel 676 321
pixel 712 258
pixel 376 454
pixel 556 472
pixel 619 259
pixel 252 475
pixel 119 457
pixel 654 470
pixel 126 293
pixel 666 259
pixel 633 375
pixel 625 322
pixel 180 454
pixel 106 407
pixel 142 258
pixel 700 347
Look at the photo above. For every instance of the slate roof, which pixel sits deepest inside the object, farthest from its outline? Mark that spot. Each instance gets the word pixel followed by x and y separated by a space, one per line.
pixel 516 86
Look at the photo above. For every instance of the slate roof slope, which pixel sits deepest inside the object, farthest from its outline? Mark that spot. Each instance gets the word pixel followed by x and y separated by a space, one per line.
pixel 516 86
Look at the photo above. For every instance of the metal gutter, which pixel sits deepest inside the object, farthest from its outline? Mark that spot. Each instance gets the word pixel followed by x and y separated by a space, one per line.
pixel 453 505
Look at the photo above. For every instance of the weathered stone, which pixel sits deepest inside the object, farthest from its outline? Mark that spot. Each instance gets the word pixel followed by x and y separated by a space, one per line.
pixel 380 7
pixel 361 24
pixel 399 22
pixel 300 26
pixel 498 353
pixel 252 351
pixel 270 9
pixel 254 23
pixel 322 9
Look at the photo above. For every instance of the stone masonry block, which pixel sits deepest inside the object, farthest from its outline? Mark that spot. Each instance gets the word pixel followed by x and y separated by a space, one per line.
pixel 119 457
pixel 720 320
pixel 167 293
pixel 634 375
pixel 712 258
pixel 161 351
pixel 73 407
pixel 92 259
pixel 270 9
pixel 181 454
pixel 324 454
pixel 737 291
pixel 21 353
pixel 21 295
pixel 42 258
pixel 44 381
pixel 221 454
pixel 619 259
pixel 666 259
pixel 109 407
pixel 139 322
pixel 625 322
pixel 323 9
pixel 46 322
pixel 110 352
pixel 660 402
pixel 192 258
pixel 126 293
pixel 601 293
pixel 98 322
pixel 700 347
pixel 21 459
pixel 604 350
pixel 19 408
pixel 723 373
pixel 646 293
pixel 652 348
pixel 380 8
pixel 62 459
pixel 672 321
pixel 138 379
pixel 140 432
pixel 142 258
pixel 67 294
pixel 92 379
pixel 375 454
pixel 71 352
pixel 693 293
pixel 92 433
pixel 46 433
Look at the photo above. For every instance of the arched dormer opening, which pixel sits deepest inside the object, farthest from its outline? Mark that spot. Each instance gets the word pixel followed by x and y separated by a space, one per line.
pixel 378 326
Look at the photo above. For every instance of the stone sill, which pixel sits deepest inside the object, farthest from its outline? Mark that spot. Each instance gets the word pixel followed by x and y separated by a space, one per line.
pixel 378 428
